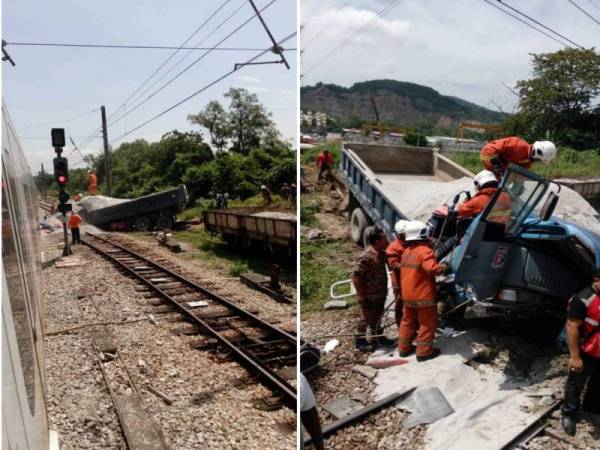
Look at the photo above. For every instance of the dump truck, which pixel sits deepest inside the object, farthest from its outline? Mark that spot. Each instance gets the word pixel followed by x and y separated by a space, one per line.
pixel 546 252
pixel 153 211
pixel 254 227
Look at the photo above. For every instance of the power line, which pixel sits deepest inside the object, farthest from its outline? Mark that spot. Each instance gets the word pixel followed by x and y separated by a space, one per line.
pixel 59 121
pixel 325 26
pixel 361 30
pixel 540 24
pixel 89 139
pixel 231 15
pixel 143 47
pixel 593 4
pixel 584 11
pixel 526 23
pixel 204 88
pixel 190 65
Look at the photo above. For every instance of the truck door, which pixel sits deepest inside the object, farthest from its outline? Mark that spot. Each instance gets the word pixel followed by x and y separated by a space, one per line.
pixel 479 263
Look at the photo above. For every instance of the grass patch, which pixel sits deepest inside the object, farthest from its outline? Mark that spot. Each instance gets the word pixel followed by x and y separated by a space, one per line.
pixel 570 163
pixel 322 264
pixel 231 261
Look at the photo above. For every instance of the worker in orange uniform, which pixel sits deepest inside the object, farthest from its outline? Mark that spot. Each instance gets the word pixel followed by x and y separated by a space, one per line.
pixel 370 280
pixel 325 163
pixel 486 185
pixel 394 257
pixel 92 182
pixel 496 155
pixel 419 294
pixel 73 224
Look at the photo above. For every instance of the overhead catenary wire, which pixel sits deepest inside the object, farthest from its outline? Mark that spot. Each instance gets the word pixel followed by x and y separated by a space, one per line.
pixel 593 4
pixel 189 66
pixel 52 122
pixel 202 89
pixel 540 24
pixel 141 47
pixel 584 11
pixel 489 2
pixel 385 10
pixel 325 26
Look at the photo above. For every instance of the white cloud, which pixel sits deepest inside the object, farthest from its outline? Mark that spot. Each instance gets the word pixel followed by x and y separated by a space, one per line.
pixel 463 48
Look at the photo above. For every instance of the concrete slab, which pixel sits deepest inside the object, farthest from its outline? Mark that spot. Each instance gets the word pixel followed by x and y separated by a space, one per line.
pixel 426 406
pixel 341 407
pixel 487 403
pixel 365 371
pixel 336 304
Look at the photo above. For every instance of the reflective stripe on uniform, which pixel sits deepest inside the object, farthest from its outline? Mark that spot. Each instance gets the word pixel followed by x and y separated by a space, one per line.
pixel 500 212
pixel 419 303
pixel 591 321
pixel 486 157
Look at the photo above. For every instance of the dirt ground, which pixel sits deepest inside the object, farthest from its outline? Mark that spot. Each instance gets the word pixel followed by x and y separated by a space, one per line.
pixel 513 352
pixel 212 400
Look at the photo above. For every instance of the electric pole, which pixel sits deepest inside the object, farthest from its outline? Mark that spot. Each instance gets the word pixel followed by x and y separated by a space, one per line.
pixel 106 151
pixel 43 184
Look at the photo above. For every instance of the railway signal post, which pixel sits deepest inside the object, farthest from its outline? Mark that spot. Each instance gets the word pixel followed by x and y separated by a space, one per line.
pixel 61 175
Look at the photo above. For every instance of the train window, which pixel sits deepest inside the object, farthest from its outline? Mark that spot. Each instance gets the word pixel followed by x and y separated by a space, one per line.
pixel 15 282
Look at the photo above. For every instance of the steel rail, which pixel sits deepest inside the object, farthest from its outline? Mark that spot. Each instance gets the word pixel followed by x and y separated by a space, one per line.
pixel 271 378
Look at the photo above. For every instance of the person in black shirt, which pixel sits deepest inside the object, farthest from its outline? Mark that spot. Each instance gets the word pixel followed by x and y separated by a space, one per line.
pixel 583 368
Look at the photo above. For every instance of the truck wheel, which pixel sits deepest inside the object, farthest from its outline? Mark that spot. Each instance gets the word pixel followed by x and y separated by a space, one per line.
pixel 365 242
pixel 164 223
pixel 142 223
pixel 358 223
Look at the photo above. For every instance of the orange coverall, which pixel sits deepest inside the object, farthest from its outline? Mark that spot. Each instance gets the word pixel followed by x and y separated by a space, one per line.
pixel 419 293
pixel 92 183
pixel 325 163
pixel 471 208
pixel 496 155
pixel 394 253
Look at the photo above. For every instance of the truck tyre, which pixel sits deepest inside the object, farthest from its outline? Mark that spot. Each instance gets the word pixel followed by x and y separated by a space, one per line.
pixel 164 223
pixel 358 223
pixel 365 242
pixel 142 223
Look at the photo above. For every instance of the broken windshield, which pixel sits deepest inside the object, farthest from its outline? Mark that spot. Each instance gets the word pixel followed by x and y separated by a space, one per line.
pixel 519 195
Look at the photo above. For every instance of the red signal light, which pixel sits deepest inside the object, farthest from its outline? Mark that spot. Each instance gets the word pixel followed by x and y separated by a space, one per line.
pixel 62 179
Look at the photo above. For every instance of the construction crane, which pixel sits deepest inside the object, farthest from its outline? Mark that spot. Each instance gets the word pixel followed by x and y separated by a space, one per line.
pixel 367 128
pixel 476 126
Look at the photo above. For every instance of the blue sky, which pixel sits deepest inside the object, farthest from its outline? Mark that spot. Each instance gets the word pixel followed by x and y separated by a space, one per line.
pixel 464 48
pixel 56 83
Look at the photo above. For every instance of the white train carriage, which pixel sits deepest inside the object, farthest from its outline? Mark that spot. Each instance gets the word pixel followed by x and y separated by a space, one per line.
pixel 24 415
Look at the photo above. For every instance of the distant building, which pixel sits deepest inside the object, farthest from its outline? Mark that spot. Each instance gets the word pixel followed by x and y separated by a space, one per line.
pixel 313 119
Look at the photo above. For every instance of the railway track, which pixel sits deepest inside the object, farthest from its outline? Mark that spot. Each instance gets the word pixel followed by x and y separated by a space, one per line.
pixel 45 206
pixel 258 346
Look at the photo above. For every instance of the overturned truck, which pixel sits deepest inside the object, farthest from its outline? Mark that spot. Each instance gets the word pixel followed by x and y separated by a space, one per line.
pixel 533 262
pixel 153 211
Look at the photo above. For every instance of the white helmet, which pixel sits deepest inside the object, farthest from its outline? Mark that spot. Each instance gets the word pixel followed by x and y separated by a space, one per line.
pixel 401 226
pixel 416 231
pixel 263 187
pixel 484 177
pixel 544 150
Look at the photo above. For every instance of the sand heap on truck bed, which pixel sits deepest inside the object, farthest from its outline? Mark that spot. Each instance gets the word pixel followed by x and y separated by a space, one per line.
pixel 88 204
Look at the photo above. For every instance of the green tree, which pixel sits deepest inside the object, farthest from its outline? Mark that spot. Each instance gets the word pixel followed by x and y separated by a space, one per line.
pixel 217 121
pixel 251 124
pixel 557 102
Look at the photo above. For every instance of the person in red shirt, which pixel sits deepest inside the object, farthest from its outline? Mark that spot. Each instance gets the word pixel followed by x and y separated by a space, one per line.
pixel 73 224
pixel 92 182
pixel 419 268
pixel 497 155
pixel 325 163
pixel 583 338
pixel 394 258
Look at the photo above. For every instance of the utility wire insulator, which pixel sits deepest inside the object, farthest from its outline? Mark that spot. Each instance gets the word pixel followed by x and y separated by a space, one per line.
pixel 5 55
